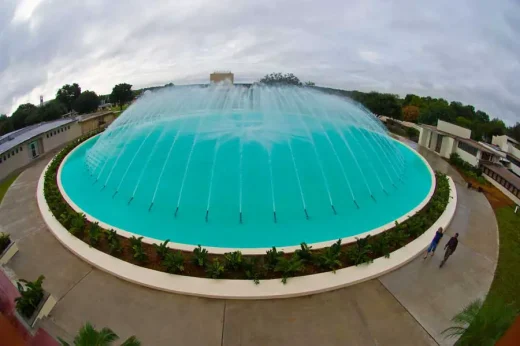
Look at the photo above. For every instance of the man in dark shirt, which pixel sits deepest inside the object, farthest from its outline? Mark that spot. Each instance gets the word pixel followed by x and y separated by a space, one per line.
pixel 450 248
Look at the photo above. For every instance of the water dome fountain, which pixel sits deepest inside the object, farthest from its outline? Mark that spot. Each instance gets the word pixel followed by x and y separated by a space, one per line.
pixel 245 167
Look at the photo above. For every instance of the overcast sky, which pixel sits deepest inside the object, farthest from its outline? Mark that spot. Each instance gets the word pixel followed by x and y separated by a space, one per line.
pixel 460 50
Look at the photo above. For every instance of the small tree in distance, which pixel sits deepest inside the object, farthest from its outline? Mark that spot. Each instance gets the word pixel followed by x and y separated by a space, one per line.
pixel 411 113
pixel 67 94
pixel 280 79
pixel 121 94
pixel 87 102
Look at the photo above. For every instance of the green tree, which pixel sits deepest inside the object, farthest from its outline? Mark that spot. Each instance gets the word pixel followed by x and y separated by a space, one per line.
pixel 87 102
pixel 27 110
pixel 89 336
pixel 309 83
pixel 411 113
pixel 52 110
pixel 6 124
pixel 121 94
pixel 280 79
pixel 514 131
pixel 67 94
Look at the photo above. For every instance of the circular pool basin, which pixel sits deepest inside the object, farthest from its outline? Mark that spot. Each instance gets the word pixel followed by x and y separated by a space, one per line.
pixel 245 167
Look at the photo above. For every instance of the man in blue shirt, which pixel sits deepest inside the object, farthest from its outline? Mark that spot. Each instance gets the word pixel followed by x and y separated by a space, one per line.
pixel 435 242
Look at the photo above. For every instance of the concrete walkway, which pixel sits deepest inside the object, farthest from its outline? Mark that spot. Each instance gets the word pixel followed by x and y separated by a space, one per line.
pixel 410 306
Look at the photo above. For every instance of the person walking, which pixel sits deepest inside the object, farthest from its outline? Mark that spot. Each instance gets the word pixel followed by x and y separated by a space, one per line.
pixel 450 248
pixel 435 242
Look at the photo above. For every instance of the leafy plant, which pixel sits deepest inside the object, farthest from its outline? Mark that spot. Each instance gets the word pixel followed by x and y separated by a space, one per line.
pixel 304 252
pixel 77 223
pixel 5 240
pixel 251 270
pixel 271 258
pixel 360 252
pixel 381 245
pixel 174 262
pixel 234 260
pixel 135 241
pixel 31 294
pixel 329 259
pixel 397 238
pixel 200 256
pixel 289 267
pixel 162 249
pixel 215 269
pixel 137 249
pixel 114 244
pixel 481 323
pixel 89 336
pixel 94 234
pixel 336 247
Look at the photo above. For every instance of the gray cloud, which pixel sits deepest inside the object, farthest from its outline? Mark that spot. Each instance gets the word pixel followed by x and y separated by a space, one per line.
pixel 463 50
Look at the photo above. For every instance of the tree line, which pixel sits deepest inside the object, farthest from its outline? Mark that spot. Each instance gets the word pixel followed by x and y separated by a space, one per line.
pixel 68 98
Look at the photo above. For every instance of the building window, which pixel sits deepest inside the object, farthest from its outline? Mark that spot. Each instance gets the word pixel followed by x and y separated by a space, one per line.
pixel 69 127
pixel 0 160
pixel 17 150
pixel 513 160
pixel 12 152
pixel 21 148
pixel 468 148
pixel 8 155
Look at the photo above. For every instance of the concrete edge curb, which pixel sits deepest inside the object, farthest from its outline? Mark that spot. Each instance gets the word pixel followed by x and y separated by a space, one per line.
pixel 252 251
pixel 242 289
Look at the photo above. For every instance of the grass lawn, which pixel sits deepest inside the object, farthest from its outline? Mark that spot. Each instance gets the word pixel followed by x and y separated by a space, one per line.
pixel 4 185
pixel 506 284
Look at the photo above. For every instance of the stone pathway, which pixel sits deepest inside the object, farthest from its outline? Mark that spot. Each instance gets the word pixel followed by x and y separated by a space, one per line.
pixel 409 306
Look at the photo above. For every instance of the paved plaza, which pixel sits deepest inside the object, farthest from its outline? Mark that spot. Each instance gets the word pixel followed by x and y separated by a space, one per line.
pixel 410 306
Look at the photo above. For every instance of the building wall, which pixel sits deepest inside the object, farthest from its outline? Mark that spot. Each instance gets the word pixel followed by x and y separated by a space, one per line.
pixel 501 141
pixel 424 137
pixel 433 142
pixel 60 136
pixel 453 129
pixel 46 142
pixel 13 162
pixel 515 152
pixel 473 160
pixel 447 147
pixel 93 124
pixel 221 77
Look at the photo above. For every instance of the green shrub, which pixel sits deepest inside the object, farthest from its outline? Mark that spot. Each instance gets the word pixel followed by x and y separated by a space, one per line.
pixel 137 249
pixel 5 240
pixel 200 256
pixel 94 234
pixel 271 258
pixel 31 295
pixel 304 252
pixel 234 260
pixel 381 245
pixel 360 252
pixel 289 267
pixel 77 223
pixel 114 244
pixel 162 249
pixel 215 270
pixel 251 269
pixel 174 262
pixel 329 259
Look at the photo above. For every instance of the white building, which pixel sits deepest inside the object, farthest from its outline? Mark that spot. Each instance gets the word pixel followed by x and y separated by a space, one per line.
pixel 19 148
pixel 511 152
pixel 446 139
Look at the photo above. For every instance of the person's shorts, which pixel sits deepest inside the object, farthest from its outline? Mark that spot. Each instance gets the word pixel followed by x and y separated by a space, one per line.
pixel 432 246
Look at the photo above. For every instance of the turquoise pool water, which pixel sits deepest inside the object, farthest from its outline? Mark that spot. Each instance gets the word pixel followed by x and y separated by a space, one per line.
pixel 242 175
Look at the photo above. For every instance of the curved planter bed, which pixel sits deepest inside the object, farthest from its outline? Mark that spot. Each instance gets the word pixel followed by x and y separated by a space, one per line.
pixel 243 289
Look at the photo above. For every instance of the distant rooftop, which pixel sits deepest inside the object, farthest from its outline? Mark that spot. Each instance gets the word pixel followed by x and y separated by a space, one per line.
pixel 85 117
pixel 15 138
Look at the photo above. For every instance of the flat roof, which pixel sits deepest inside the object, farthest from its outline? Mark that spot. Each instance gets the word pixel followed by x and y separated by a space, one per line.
pixel 21 136
pixel 86 117
pixel 512 178
pixel 471 142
